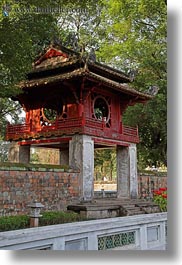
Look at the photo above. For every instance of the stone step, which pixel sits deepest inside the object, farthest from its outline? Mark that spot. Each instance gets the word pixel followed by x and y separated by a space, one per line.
pixel 129 206
pixel 134 213
pixel 103 208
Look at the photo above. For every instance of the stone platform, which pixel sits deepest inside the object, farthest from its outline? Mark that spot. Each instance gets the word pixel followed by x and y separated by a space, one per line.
pixel 104 208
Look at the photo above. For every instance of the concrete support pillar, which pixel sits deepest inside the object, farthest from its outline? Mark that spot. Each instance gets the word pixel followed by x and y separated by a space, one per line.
pixel 64 157
pixel 122 172
pixel 127 172
pixel 18 153
pixel 81 156
pixel 133 171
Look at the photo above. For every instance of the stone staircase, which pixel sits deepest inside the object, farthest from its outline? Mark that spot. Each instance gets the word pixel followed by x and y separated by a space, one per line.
pixel 138 207
pixel 128 210
pixel 103 208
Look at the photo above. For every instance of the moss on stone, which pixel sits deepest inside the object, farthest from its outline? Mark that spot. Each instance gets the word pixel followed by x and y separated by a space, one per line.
pixel 33 167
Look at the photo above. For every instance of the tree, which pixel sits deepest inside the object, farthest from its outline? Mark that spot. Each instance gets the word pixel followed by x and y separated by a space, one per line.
pixel 4 146
pixel 9 111
pixel 105 160
pixel 22 36
pixel 135 39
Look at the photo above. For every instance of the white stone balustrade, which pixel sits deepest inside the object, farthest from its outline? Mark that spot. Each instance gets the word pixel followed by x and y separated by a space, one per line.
pixel 141 232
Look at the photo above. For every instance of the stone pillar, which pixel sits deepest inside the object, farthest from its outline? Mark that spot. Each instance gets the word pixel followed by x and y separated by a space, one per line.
pixel 122 156
pixel 133 171
pixel 81 157
pixel 127 186
pixel 18 153
pixel 64 157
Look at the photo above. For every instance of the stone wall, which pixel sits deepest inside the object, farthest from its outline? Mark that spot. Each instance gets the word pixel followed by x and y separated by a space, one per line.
pixel 54 188
pixel 147 182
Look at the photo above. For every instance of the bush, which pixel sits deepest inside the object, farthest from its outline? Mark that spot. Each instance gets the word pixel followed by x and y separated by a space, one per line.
pixel 55 217
pixel 8 223
pixel 160 197
pixel 14 222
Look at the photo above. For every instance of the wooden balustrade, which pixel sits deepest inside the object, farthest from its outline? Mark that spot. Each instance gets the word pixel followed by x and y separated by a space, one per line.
pixel 13 131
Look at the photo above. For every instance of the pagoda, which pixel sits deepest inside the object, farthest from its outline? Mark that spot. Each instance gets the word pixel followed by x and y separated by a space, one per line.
pixel 75 104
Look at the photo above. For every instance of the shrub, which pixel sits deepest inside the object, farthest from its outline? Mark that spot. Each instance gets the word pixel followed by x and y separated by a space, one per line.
pixel 160 197
pixel 55 217
pixel 14 222
pixel 8 223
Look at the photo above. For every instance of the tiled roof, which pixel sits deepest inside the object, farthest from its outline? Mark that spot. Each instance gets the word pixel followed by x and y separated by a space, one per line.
pixel 58 65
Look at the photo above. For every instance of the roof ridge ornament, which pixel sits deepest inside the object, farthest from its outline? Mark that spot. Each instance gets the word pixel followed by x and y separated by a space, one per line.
pixel 152 90
pixel 50 53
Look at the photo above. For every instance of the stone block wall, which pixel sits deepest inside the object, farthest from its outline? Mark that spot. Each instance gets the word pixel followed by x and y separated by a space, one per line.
pixel 53 188
pixel 147 182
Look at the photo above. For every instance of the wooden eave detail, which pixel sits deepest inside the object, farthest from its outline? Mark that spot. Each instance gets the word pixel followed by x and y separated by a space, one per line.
pixel 26 85
pixel 120 87
pixel 107 71
pixel 124 88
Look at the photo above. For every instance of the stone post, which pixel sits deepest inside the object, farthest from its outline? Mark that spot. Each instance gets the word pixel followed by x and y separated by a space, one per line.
pixel 35 209
pixel 127 185
pixel 81 157
pixel 18 153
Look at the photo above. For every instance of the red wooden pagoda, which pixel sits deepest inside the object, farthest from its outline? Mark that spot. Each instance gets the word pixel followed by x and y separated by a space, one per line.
pixel 68 96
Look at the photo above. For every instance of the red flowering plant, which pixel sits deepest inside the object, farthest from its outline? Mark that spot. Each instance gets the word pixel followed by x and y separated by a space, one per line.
pixel 160 197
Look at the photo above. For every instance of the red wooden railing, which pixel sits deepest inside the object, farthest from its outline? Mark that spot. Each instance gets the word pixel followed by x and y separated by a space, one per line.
pixel 96 124
pixel 127 130
pixel 63 124
pixel 19 129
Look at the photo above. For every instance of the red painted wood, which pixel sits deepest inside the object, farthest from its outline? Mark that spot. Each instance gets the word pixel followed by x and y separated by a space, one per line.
pixel 46 141
pixel 70 126
pixel 79 117
pixel 49 54
pixel 102 141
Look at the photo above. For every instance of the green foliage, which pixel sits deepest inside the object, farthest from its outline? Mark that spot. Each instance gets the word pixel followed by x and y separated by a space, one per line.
pixel 136 39
pixel 8 223
pixel 55 217
pixel 160 197
pixel 22 36
pixel 9 110
pixel 3 151
pixel 105 163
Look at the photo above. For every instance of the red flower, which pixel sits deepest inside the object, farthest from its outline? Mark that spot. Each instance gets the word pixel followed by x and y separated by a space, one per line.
pixel 157 192
pixel 162 189
pixel 164 196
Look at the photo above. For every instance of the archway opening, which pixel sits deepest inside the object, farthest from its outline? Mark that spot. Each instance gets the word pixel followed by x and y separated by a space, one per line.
pixel 105 170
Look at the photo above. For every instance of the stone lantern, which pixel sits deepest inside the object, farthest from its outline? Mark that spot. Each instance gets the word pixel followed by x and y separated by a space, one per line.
pixel 35 213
